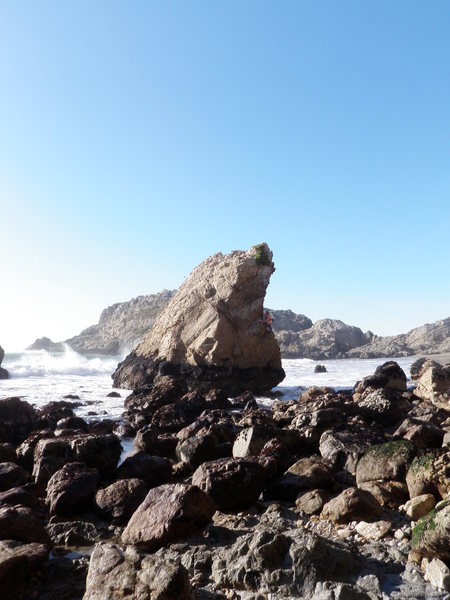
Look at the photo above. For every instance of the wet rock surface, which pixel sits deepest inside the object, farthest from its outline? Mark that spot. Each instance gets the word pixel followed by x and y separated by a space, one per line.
pixel 334 495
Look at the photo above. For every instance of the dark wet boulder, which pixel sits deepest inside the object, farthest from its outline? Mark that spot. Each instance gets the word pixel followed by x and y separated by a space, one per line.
pixel 389 376
pixel 117 573
pixel 169 513
pixel 26 495
pixel 25 452
pixel 119 500
pixel 352 504
pixel 71 489
pixel 423 434
pixel 20 523
pixel 17 420
pixel 101 452
pixel 320 369
pixel 4 373
pixel 385 407
pixel 7 452
pixel 73 532
pixel 154 470
pixel 173 417
pixel 150 440
pixel 202 448
pixel 53 412
pixel 276 456
pixel 305 474
pixel 18 563
pixel 231 482
pixel 385 462
pixel 11 475
pixel 343 446
pixel 72 423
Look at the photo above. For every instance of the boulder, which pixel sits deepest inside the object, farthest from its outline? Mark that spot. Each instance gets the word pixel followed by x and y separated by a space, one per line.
pixel 4 374
pixel 438 574
pixel 419 506
pixel 11 475
pixel 169 513
pixel 270 563
pixel 101 452
pixel 153 470
pixel 306 474
pixel 231 482
pixel 389 376
pixel 116 573
pixel 429 473
pixel 390 494
pixel 320 369
pixel 352 504
pixel 18 562
pixel 385 462
pixel 7 452
pixel 343 447
pixel 148 439
pixel 17 420
pixel 202 448
pixel 20 523
pixel 433 384
pixel 119 500
pixel 24 496
pixel 71 489
pixel 422 434
pixel 211 333
pixel 383 406
pixel 431 534
pixel 25 452
pixel 312 502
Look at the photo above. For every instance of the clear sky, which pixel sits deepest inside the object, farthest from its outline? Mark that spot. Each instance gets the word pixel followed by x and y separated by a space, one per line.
pixel 137 138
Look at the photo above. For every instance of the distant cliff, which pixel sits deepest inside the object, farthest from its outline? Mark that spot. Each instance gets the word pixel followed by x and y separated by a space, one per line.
pixel 432 338
pixel 124 325
pixel 120 328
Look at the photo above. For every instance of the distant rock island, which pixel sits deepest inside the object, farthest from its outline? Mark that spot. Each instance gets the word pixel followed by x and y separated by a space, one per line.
pixel 124 325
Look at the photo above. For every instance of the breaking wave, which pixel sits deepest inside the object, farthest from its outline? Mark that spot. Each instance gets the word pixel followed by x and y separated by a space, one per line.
pixel 40 363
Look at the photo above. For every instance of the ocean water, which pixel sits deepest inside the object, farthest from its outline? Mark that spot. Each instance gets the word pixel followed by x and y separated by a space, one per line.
pixel 40 377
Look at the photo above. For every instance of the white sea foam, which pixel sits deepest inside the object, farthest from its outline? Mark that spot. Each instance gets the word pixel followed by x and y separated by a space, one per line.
pixel 39 363
pixel 39 377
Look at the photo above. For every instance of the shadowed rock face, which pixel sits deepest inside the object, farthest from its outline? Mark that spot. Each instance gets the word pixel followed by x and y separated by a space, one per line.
pixel 211 333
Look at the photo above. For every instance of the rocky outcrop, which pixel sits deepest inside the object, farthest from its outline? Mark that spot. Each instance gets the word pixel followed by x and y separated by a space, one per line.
pixel 327 338
pixel 121 326
pixel 3 372
pixel 211 333
pixel 431 338
pixel 45 343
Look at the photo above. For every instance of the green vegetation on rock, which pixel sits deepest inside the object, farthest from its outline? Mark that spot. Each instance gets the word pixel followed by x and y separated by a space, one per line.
pixel 422 462
pixel 425 523
pixel 261 257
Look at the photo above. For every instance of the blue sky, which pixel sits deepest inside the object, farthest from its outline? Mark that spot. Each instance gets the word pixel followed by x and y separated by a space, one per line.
pixel 136 139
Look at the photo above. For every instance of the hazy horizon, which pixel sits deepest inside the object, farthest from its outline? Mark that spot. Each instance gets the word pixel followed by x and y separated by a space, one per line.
pixel 137 140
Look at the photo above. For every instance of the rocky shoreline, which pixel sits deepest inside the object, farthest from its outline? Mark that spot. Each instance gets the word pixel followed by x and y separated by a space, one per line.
pixel 334 495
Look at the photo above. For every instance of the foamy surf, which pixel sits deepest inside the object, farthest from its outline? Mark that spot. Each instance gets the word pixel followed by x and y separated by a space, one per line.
pixel 40 377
